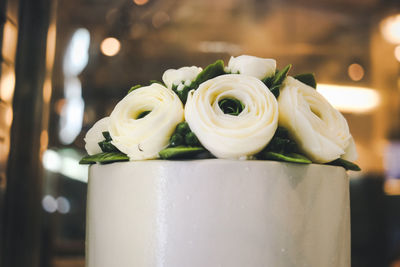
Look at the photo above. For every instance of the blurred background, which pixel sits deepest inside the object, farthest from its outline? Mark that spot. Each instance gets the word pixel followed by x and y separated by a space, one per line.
pixel 66 63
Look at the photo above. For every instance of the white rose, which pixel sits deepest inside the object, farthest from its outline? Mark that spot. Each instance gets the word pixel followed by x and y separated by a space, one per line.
pixel 252 66
pixel 95 135
pixel 319 129
pixel 229 136
pixel 184 76
pixel 143 138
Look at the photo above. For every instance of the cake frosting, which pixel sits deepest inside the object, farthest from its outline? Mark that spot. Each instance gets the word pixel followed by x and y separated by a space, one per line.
pixel 221 172
pixel 217 213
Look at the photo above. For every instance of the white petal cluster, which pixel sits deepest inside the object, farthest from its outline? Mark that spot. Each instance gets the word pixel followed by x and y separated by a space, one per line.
pixel 180 77
pixel 319 129
pixel 229 136
pixel 143 138
pixel 252 66
pixel 95 135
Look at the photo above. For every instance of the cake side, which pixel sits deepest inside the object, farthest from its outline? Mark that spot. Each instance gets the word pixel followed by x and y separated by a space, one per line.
pixel 217 213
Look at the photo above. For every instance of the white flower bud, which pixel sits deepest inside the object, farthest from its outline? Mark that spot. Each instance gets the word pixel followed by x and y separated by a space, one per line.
pixel 252 66
pixel 95 135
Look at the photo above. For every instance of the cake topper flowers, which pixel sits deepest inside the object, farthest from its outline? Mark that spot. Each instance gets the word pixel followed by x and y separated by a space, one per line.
pixel 247 110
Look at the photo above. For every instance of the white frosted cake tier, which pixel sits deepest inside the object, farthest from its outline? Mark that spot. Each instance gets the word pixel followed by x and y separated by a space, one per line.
pixel 214 213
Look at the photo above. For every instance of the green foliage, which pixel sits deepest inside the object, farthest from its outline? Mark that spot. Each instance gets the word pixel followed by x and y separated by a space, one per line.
pixel 289 157
pixel 143 114
pixel 181 152
pixel 345 164
pixel 274 82
pixel 211 71
pixel 104 158
pixel 307 78
pixel 282 148
pixel 231 106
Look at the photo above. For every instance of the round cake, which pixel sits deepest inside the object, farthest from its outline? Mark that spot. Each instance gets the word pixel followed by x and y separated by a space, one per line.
pixel 238 165
pixel 217 212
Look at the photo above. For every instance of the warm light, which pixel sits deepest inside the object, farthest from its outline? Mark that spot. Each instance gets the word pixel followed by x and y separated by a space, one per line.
pixel 7 84
pixel 349 98
pixel 110 46
pixel 140 2
pixel 219 47
pixel 44 140
pixel 397 53
pixel 51 47
pixel 390 28
pixel 10 38
pixel 47 90
pixel 355 72
pixel 9 116
pixel 392 187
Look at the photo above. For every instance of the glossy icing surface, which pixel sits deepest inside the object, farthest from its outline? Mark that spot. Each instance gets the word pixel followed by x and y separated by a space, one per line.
pixel 217 213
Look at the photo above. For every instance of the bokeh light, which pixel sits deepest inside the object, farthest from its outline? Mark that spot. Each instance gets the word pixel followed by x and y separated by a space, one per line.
pixel 390 28
pixel 355 72
pixel 110 46
pixel 140 2
pixel 397 53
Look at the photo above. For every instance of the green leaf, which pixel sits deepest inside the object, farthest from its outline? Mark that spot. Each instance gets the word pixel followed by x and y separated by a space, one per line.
pixel 107 136
pixel 181 152
pixel 176 140
pixel 345 164
pixel 275 90
pixel 281 75
pixel 143 114
pixel 281 142
pixel 191 139
pixel 307 78
pixel 104 158
pixel 182 94
pixel 231 106
pixel 290 157
pixel 211 71
pixel 268 81
pixel 134 88
pixel 182 128
pixel 106 146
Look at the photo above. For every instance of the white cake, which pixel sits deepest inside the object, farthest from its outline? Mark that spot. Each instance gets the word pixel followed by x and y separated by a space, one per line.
pixel 214 212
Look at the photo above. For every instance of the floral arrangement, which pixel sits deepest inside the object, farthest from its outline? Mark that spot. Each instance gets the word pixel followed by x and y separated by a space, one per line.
pixel 246 110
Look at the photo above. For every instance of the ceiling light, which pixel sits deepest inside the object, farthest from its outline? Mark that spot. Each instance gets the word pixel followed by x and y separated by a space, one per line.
pixel 349 98
pixel 390 28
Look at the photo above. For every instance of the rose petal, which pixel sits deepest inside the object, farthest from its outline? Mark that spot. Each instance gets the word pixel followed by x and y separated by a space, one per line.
pixel 176 76
pixel 143 138
pixel 95 135
pixel 228 136
pixel 319 129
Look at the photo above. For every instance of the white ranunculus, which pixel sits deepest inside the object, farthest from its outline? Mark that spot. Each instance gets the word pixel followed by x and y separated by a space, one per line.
pixel 95 135
pixel 319 129
pixel 252 66
pixel 229 136
pixel 143 138
pixel 184 75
